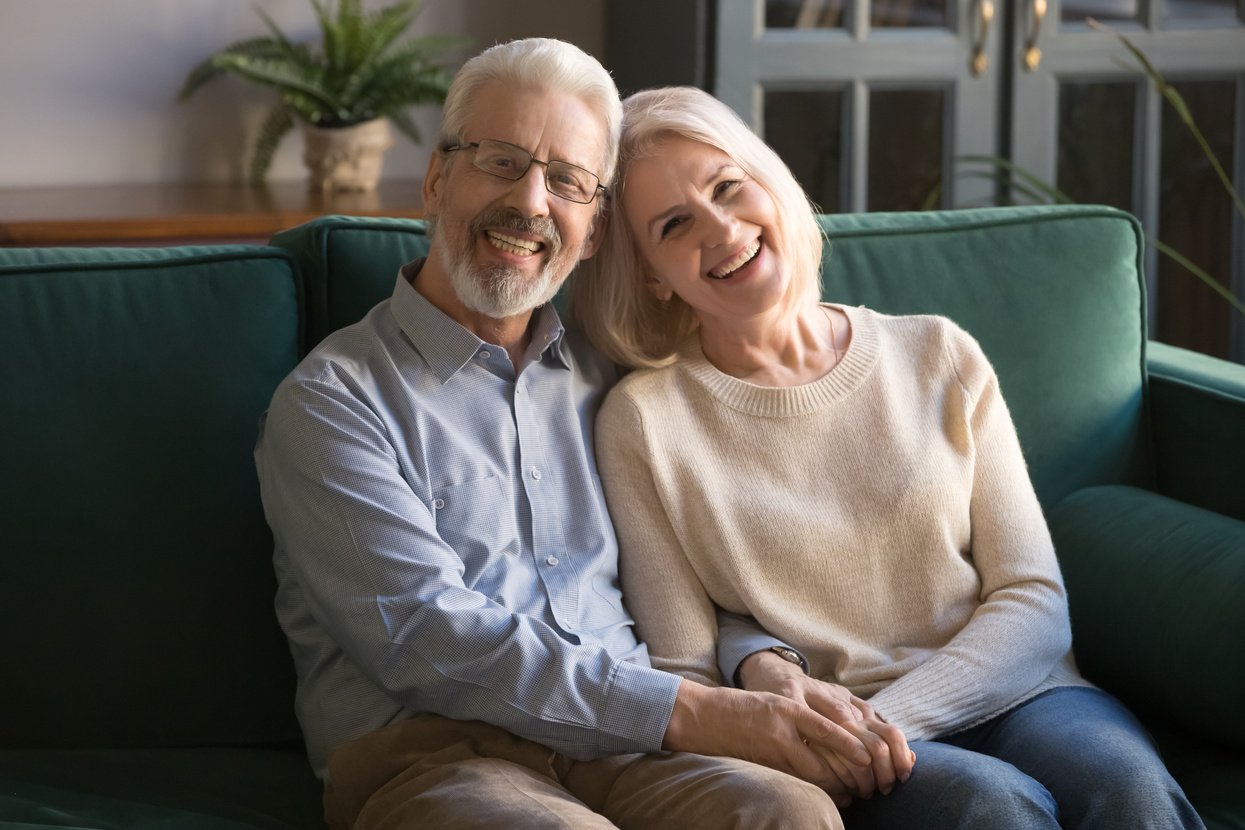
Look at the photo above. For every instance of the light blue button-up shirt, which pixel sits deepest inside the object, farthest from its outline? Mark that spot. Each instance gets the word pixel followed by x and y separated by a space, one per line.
pixel 442 543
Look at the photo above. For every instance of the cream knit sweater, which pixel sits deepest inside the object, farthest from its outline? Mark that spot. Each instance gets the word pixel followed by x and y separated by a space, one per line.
pixel 880 520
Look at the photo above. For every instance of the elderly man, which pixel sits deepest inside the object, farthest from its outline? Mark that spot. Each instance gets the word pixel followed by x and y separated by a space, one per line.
pixel 447 569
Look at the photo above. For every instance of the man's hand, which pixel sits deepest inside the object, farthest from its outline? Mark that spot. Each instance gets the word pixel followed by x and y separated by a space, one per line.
pixel 892 760
pixel 767 729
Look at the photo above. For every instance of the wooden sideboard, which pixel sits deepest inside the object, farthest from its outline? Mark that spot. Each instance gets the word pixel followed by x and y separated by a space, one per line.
pixel 183 214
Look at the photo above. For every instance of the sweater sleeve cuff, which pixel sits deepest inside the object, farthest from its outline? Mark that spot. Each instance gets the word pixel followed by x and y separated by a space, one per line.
pixel 638 708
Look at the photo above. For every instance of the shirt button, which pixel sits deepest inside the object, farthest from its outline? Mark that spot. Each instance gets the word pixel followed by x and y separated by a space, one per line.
pixel 551 560
pixel 485 354
pixel 536 474
pixel 437 504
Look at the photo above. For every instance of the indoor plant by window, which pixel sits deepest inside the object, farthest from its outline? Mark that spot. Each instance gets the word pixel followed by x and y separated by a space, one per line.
pixel 363 77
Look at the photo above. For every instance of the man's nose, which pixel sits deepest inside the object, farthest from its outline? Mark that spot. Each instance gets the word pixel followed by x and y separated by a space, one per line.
pixel 528 194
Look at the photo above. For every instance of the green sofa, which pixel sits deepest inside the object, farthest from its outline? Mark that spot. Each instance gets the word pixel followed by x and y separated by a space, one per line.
pixel 145 682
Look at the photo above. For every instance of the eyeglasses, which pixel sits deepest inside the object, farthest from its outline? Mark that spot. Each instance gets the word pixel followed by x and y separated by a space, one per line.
pixel 511 162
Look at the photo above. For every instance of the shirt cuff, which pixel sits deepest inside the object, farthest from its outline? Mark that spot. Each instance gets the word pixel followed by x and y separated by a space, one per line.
pixel 639 705
pixel 741 646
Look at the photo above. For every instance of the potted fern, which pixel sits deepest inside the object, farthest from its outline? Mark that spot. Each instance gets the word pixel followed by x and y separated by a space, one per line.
pixel 363 77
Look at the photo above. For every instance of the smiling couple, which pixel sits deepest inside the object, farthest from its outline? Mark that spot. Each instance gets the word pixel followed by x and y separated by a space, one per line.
pixel 842 606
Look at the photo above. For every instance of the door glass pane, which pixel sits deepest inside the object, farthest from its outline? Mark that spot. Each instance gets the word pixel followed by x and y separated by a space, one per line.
pixel 1195 218
pixel 806 129
pixel 1194 11
pixel 1075 11
pixel 832 14
pixel 805 14
pixel 908 14
pixel 905 147
pixel 1095 152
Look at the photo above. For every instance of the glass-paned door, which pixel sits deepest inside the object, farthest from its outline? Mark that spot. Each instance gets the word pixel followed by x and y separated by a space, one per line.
pixel 1085 118
pixel 868 101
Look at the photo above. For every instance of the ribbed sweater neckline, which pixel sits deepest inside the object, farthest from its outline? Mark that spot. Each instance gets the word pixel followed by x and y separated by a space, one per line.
pixel 786 401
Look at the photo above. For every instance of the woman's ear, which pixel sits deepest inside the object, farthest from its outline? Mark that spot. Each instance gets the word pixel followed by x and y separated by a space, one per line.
pixel 660 290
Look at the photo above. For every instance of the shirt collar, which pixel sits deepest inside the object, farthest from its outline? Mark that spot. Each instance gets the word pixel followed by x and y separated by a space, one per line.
pixel 446 345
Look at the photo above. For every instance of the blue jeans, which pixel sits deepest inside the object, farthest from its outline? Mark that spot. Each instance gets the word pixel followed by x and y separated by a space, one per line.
pixel 1072 757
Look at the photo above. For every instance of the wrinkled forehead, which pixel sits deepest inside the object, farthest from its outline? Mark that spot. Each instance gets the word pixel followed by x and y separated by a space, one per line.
pixel 550 124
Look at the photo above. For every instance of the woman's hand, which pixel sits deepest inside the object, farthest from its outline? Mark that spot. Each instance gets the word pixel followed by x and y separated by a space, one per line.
pixel 892 758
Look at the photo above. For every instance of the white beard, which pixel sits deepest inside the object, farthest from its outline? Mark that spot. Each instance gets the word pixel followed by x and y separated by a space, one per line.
pixel 501 291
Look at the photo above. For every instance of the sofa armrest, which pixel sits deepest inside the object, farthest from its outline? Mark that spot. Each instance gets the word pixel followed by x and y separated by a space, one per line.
pixel 1155 588
pixel 1197 409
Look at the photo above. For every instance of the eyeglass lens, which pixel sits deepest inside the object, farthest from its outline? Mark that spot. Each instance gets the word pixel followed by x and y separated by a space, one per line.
pixel 511 162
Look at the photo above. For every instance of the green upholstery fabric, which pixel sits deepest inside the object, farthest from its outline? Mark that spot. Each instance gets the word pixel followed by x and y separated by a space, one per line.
pixel 1055 298
pixel 350 264
pixel 178 789
pixel 147 683
pixel 136 583
pixel 1156 589
pixel 1197 403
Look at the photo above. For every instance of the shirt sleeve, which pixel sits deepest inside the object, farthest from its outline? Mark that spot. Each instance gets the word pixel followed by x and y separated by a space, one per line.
pixel 1021 628
pixel 389 592
pixel 740 637
pixel 674 615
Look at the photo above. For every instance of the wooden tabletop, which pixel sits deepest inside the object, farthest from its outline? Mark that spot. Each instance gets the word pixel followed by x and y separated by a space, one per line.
pixel 155 214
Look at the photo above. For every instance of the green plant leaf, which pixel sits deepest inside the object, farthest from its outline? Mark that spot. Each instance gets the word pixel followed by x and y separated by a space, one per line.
pixel 1173 97
pixel 258 47
pixel 278 122
pixel 280 74
pixel 1193 269
pixel 402 123
pixel 1015 171
pixel 362 70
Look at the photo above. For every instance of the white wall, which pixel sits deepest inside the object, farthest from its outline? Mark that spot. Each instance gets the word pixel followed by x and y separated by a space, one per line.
pixel 88 87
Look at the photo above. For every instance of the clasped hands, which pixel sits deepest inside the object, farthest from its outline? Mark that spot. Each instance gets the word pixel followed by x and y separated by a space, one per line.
pixel 788 721
pixel 847 774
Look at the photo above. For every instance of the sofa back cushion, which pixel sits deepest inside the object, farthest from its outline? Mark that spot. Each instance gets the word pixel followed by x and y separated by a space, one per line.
pixel 1053 293
pixel 136 582
pixel 1056 298
pixel 349 264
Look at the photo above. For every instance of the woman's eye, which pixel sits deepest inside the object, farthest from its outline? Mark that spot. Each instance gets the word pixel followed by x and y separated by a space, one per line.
pixel 670 226
pixel 725 187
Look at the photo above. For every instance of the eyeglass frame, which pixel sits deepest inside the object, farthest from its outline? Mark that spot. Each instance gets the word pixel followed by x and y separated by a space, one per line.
pixel 475 145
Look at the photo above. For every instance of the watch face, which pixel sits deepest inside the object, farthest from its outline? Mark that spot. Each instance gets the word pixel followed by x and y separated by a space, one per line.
pixel 787 654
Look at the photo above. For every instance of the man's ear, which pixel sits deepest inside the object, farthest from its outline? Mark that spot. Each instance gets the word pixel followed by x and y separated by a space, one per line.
pixel 596 231
pixel 434 183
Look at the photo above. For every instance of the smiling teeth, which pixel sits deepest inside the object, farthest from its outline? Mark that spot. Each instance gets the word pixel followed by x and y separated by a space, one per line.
pixel 512 244
pixel 738 262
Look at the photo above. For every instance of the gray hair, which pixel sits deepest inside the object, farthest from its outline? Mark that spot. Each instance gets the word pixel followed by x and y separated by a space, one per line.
pixel 609 297
pixel 537 62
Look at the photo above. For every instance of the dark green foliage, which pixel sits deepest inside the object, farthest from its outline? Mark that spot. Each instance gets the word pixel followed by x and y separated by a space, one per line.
pixel 362 70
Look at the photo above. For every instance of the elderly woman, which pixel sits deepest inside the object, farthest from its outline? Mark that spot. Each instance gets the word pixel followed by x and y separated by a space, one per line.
pixel 850 483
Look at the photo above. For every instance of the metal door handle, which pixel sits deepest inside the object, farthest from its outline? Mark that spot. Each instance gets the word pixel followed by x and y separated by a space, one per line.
pixel 985 16
pixel 1032 55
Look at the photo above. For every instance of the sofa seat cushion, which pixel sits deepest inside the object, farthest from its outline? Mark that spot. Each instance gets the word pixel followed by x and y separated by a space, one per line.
pixel 1213 776
pixel 1156 590
pixel 186 789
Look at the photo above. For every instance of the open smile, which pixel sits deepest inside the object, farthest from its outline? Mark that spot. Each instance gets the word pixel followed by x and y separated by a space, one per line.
pixel 513 244
pixel 738 261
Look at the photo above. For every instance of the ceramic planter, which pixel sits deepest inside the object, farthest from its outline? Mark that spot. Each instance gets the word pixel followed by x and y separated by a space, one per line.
pixel 346 158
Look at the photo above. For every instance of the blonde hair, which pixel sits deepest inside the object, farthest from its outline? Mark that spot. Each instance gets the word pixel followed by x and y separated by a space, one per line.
pixel 609 298
pixel 540 62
